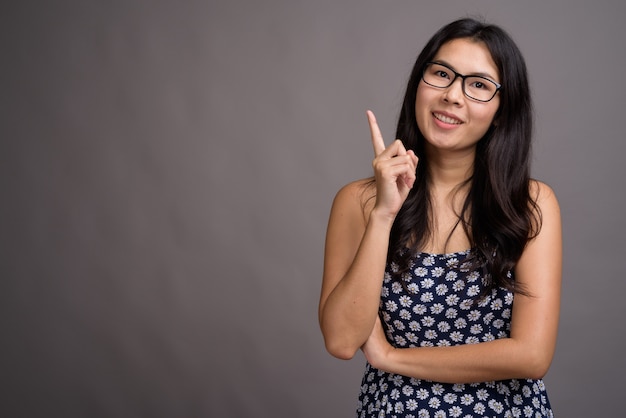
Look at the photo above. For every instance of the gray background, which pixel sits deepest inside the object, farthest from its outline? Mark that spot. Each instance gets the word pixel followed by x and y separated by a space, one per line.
pixel 166 173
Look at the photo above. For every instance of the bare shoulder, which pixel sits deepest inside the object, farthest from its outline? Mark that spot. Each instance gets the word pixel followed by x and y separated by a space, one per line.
pixel 358 195
pixel 543 196
pixel 547 211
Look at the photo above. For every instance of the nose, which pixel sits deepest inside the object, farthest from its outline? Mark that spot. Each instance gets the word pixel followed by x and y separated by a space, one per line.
pixel 454 92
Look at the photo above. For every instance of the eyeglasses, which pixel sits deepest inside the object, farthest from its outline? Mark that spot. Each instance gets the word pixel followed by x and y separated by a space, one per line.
pixel 475 87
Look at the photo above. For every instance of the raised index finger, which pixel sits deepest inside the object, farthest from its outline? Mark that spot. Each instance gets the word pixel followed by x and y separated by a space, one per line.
pixel 377 138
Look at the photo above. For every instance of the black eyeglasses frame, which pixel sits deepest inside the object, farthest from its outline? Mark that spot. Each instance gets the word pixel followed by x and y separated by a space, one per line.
pixel 463 77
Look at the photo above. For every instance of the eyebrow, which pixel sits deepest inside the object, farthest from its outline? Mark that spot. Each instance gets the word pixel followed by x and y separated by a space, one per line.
pixel 479 74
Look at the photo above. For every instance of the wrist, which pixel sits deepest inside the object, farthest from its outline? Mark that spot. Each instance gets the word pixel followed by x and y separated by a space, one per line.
pixel 382 218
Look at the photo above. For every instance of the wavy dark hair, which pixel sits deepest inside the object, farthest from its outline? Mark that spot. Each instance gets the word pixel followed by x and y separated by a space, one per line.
pixel 498 215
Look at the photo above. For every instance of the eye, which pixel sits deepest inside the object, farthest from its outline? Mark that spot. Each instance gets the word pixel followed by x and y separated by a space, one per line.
pixel 479 85
pixel 442 74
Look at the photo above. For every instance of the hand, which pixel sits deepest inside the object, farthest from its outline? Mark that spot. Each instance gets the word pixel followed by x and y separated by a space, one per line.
pixel 377 348
pixel 394 170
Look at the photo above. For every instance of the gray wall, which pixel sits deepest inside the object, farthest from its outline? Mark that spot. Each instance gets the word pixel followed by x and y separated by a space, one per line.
pixel 166 172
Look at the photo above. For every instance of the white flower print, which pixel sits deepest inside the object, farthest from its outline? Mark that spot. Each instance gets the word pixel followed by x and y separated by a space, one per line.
pixel 437 272
pixel 450 397
pixel 479 408
pixel 396 287
pixel 386 317
pixel 396 380
pixel 474 315
pixel 452 262
pixel 391 306
pixel 496 406
pixel 435 308
pixel 428 321
pixel 420 309
pixel 430 334
pixel 451 313
pixel 456 336
pixel 441 289
pixel 414 326
pixel 466 304
pixel 482 394
pixel 508 299
pixel 421 271
pixel 496 304
pixel 473 290
pixel 423 414
pixel 411 337
pixel 428 261
pixel 473 276
pixel 434 403
pixel 399 325
pixel 411 404
pixel 458 387
pixel 443 326
pixel 460 323
pixel 413 288
pixel 472 340
pixel 422 394
pixel 426 297
pixel 406 301
pixel 398 407
pixel 455 411
pixel 427 283
pixel 438 389
pixel 476 329
pixel 395 394
pixel 452 300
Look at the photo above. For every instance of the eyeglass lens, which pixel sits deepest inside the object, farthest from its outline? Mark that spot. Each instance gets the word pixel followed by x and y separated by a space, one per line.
pixel 475 87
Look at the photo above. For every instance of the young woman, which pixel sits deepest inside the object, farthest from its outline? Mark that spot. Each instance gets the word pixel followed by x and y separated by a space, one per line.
pixel 445 267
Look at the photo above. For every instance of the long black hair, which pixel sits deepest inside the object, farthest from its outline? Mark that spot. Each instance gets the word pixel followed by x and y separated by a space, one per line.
pixel 499 215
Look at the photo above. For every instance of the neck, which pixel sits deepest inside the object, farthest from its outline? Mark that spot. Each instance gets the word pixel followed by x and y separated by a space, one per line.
pixel 449 170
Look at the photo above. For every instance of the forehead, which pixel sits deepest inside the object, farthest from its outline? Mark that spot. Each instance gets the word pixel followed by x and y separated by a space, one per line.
pixel 468 56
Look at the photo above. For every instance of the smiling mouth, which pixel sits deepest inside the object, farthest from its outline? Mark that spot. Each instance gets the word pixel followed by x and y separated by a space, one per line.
pixel 447 119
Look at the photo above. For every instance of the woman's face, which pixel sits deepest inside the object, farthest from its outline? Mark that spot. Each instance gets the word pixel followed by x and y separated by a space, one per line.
pixel 447 118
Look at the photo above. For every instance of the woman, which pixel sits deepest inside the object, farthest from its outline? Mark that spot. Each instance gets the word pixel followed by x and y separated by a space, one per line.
pixel 445 267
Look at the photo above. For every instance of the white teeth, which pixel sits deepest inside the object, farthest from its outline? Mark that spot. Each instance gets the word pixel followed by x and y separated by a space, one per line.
pixel 446 119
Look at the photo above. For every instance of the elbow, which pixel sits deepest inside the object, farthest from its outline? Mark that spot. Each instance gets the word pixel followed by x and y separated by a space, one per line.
pixel 340 349
pixel 537 365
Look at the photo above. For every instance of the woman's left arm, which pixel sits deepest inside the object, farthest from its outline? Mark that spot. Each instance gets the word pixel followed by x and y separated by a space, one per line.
pixel 528 352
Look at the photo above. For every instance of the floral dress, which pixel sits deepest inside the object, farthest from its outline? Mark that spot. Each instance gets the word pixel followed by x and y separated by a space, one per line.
pixel 439 306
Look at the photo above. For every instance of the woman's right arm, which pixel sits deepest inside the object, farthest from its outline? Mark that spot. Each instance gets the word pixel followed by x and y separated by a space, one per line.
pixel 354 265
pixel 356 247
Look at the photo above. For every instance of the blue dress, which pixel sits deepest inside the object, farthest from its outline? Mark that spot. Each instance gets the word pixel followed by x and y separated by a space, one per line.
pixel 439 306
